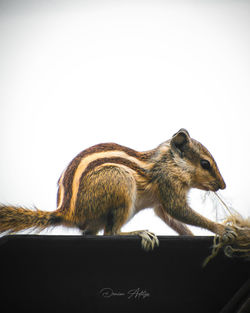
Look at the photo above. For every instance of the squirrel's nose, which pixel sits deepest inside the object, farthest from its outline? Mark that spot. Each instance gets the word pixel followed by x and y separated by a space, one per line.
pixel 222 185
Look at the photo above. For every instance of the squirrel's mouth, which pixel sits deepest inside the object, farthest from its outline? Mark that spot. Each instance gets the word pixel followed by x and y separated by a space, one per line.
pixel 211 186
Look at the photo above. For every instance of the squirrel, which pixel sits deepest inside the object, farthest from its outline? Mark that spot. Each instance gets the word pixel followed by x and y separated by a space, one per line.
pixel 104 186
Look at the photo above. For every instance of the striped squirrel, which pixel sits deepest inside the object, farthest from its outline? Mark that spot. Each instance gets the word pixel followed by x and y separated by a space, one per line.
pixel 104 186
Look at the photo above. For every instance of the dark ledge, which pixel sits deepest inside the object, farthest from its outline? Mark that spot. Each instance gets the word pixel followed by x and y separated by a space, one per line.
pixel 113 274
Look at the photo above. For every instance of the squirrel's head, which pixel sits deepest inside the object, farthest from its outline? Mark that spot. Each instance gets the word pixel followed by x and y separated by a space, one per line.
pixel 196 161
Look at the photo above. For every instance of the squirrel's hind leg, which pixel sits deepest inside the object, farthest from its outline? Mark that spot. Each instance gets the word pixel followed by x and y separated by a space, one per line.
pixel 105 200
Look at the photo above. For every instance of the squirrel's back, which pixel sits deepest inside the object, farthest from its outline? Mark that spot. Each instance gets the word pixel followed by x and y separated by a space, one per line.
pixel 96 157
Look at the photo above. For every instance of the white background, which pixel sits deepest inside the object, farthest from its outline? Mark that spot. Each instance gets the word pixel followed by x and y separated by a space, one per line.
pixel 77 73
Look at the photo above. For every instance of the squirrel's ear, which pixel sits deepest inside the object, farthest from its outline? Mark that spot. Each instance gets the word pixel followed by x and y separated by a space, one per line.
pixel 180 140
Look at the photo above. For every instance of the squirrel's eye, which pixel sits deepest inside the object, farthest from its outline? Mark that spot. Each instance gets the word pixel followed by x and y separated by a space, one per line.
pixel 205 164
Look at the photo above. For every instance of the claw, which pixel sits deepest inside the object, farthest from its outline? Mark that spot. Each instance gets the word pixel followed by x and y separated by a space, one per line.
pixel 149 240
pixel 229 235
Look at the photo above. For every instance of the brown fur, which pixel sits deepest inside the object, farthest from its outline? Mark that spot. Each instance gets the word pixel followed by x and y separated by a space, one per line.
pixel 13 219
pixel 104 186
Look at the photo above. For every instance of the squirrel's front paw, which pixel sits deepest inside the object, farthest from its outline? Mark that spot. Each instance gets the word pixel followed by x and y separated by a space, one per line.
pixel 229 235
pixel 149 240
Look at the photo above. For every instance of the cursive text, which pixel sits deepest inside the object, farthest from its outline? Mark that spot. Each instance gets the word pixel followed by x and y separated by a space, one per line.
pixel 130 294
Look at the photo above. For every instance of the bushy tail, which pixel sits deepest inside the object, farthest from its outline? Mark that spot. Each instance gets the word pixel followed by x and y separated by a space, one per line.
pixel 14 219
